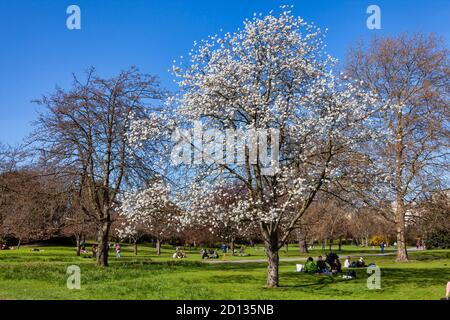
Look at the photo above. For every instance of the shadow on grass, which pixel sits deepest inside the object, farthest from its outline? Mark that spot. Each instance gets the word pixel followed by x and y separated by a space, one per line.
pixel 393 277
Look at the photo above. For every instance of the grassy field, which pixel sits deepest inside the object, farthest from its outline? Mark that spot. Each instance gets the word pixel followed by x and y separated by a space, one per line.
pixel 42 275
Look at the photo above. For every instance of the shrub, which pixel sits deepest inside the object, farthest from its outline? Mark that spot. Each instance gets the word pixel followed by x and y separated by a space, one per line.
pixel 438 239
pixel 377 240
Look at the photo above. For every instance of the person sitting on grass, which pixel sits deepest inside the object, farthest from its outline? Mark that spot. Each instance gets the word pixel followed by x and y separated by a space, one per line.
pixel 361 263
pixel 215 255
pixel 179 254
pixel 182 254
pixel 347 262
pixel 94 251
pixel 336 267
pixel 204 254
pixel 321 265
pixel 310 266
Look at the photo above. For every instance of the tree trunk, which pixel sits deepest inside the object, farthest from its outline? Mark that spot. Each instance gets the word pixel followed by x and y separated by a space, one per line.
pixel 135 248
pixel 323 244
pixel 330 245
pixel 340 245
pixel 400 211
pixel 78 241
pixel 271 246
pixel 18 244
pixel 232 246
pixel 102 250
pixel 305 246
pixel 158 247
pixel 402 254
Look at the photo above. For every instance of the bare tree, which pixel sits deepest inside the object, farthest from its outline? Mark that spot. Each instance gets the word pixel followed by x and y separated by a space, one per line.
pixel 411 75
pixel 76 223
pixel 433 214
pixel 84 132
pixel 31 205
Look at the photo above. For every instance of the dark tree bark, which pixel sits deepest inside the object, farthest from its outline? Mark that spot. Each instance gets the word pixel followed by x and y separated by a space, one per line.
pixel 305 247
pixel 78 243
pixel 135 248
pixel 103 249
pixel 158 247
pixel 232 246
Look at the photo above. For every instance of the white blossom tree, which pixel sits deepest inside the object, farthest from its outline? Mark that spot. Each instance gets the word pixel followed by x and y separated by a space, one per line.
pixel 222 209
pixel 133 230
pixel 274 74
pixel 149 209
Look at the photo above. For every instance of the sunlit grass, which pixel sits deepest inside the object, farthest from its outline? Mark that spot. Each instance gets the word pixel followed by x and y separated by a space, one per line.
pixel 42 275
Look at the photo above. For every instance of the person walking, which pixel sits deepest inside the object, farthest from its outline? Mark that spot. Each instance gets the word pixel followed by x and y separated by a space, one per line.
pixel 117 250
pixel 382 245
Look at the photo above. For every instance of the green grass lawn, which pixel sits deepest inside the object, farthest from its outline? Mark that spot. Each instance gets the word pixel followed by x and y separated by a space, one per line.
pixel 42 275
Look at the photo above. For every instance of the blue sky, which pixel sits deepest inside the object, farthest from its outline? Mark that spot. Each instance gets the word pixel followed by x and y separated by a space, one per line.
pixel 38 52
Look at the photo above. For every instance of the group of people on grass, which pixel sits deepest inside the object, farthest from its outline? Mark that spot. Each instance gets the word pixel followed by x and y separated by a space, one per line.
pixel 179 254
pixel 94 248
pixel 209 254
pixel 214 254
pixel 354 264
pixel 331 264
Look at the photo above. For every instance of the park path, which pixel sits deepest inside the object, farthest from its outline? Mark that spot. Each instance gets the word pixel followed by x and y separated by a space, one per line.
pixel 304 258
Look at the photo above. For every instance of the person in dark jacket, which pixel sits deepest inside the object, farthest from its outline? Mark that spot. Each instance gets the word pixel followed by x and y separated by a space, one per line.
pixel 321 265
